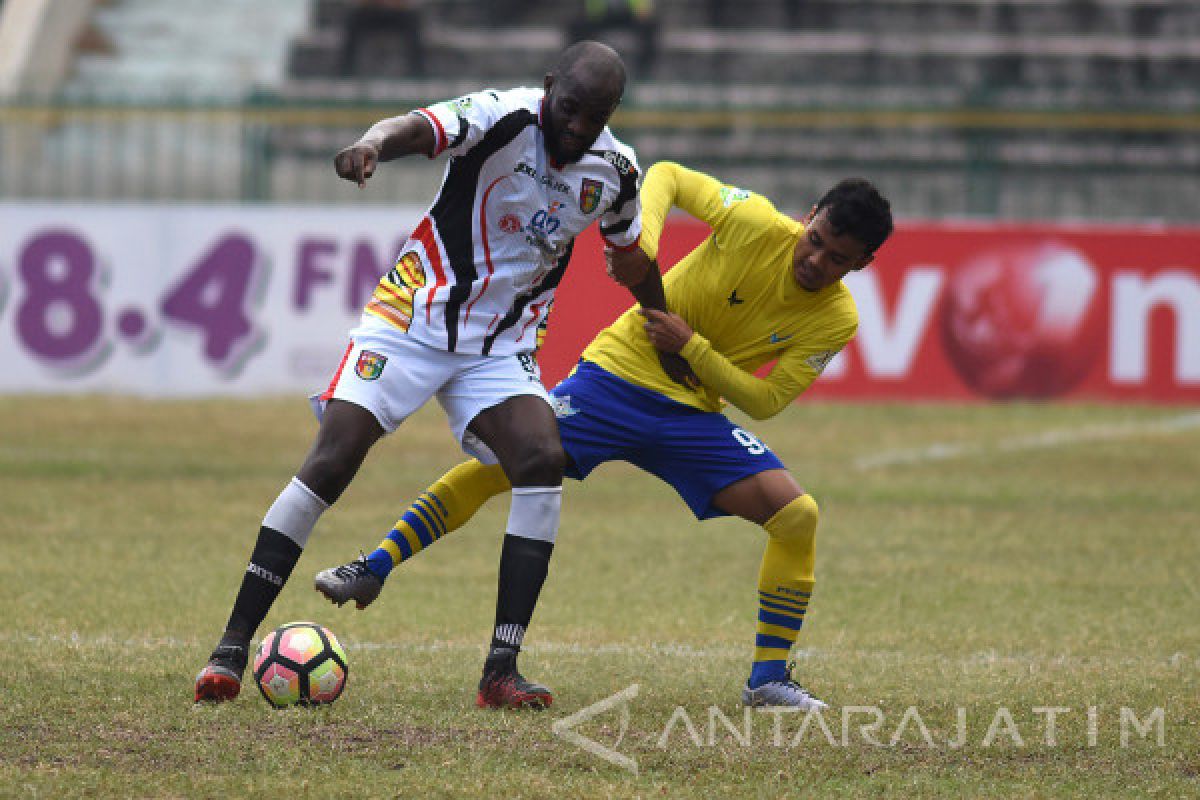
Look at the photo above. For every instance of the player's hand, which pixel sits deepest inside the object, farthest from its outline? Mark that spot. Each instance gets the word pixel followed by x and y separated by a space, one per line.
pixel 357 162
pixel 668 332
pixel 626 267
pixel 678 369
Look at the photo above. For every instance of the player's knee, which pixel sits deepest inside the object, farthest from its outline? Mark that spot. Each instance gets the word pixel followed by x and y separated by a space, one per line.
pixel 539 463
pixel 329 468
pixel 795 522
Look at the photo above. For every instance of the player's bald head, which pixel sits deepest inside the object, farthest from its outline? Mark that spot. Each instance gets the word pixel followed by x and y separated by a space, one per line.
pixel 595 69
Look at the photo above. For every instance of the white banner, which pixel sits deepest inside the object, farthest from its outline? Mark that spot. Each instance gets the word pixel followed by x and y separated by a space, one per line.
pixel 179 301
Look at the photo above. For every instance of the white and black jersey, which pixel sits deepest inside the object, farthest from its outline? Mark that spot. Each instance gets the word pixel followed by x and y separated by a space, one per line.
pixel 479 272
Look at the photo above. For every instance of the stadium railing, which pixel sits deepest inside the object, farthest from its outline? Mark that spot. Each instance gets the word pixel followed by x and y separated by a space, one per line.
pixel 934 162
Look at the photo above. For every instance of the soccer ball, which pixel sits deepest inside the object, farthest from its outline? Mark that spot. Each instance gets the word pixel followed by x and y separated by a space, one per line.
pixel 301 663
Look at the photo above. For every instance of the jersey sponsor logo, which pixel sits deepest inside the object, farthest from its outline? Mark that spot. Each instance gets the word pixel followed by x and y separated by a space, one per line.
pixel 545 180
pixel 459 107
pixel 819 361
pixel 589 195
pixel 620 163
pixel 511 223
pixel 530 365
pixel 370 365
pixel 732 194
pixel 542 226
pixel 776 338
pixel 562 406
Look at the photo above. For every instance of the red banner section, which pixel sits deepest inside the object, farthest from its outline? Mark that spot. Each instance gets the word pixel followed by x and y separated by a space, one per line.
pixel 977 311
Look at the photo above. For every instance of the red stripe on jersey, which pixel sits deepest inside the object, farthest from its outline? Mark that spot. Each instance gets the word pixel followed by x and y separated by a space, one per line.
pixel 337 374
pixel 536 309
pixel 487 250
pixel 424 235
pixel 441 142
pixel 393 292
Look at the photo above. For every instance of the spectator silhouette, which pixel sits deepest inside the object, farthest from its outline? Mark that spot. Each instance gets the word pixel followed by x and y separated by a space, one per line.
pixel 636 16
pixel 400 20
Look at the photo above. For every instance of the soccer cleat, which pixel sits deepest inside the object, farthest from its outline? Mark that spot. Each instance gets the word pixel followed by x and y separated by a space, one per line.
pixel 784 693
pixel 221 678
pixel 353 581
pixel 503 687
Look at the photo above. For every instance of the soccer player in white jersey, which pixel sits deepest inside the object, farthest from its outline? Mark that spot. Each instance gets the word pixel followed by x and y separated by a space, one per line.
pixel 458 318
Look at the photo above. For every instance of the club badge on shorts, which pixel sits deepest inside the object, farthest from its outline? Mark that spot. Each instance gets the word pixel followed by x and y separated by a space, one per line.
pixel 370 365
pixel 589 195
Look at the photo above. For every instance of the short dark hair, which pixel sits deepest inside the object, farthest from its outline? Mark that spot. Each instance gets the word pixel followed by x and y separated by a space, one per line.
pixel 601 62
pixel 856 207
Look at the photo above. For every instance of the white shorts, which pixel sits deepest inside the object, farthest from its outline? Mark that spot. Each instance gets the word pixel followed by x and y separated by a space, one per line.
pixel 391 375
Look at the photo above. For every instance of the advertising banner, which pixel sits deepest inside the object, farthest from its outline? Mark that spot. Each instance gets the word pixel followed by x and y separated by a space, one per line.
pixel 186 301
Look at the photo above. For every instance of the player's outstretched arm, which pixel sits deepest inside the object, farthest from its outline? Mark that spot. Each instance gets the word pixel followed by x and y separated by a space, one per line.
pixel 759 397
pixel 385 140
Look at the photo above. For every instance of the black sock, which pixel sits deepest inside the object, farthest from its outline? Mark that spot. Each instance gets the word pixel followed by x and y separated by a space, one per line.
pixel 270 565
pixel 523 567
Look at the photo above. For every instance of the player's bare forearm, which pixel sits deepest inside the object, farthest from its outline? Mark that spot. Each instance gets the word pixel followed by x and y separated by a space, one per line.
pixel 385 140
pixel 638 273
pixel 634 270
pixel 401 136
pixel 668 332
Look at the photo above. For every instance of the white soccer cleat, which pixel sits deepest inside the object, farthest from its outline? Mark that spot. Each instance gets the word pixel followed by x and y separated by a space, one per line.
pixel 785 693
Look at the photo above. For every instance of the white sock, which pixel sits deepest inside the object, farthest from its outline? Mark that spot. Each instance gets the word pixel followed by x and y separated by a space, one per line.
pixel 295 512
pixel 534 512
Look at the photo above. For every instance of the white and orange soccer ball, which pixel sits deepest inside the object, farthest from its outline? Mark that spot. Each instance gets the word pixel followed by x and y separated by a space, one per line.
pixel 301 663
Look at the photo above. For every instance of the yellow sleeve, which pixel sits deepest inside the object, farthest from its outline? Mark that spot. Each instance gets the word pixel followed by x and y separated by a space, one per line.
pixel 735 215
pixel 761 398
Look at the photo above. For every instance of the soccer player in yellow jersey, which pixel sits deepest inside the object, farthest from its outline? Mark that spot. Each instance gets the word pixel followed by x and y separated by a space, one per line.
pixel 763 287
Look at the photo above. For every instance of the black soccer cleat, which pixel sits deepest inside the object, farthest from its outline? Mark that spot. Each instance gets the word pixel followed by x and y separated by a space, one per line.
pixel 503 687
pixel 221 678
pixel 353 581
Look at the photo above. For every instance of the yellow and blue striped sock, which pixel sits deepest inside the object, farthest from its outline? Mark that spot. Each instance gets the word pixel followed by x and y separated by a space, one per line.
pixel 785 584
pixel 443 507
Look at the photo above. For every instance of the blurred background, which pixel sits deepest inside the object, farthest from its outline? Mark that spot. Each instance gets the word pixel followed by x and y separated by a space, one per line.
pixel 1019 109
pixel 158 158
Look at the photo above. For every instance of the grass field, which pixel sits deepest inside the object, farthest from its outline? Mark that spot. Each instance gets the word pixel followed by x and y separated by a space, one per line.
pixel 993 559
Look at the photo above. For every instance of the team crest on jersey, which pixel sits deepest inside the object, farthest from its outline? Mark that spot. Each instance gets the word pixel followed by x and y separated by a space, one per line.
pixel 589 195
pixel 732 194
pixel 370 365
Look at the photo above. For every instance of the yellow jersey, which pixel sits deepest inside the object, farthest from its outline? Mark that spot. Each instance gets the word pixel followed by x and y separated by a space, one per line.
pixel 738 293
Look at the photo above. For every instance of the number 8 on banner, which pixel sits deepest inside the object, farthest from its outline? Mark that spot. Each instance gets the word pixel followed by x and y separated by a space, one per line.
pixel 61 320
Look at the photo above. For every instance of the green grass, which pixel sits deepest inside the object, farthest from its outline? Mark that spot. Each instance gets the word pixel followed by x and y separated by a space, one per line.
pixel 1017 579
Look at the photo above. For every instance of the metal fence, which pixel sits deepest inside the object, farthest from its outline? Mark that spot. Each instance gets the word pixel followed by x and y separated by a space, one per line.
pixel 933 163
